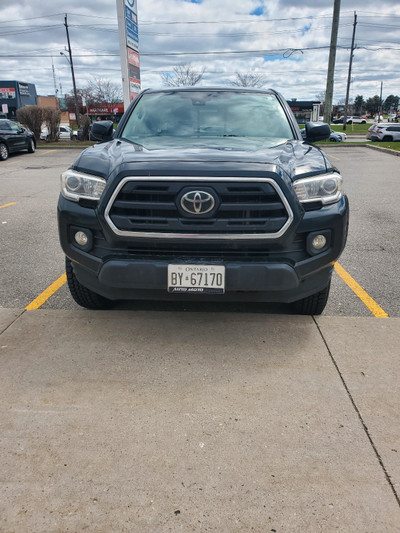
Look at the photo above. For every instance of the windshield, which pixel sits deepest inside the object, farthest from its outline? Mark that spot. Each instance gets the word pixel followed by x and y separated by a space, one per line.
pixel 212 119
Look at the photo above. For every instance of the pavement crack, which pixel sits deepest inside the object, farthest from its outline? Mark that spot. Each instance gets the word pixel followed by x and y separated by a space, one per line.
pixel 364 425
pixel 13 322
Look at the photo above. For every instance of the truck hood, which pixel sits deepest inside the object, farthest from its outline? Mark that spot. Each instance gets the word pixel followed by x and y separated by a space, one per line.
pixel 295 159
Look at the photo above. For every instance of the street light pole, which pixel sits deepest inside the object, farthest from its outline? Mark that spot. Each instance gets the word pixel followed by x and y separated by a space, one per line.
pixel 72 70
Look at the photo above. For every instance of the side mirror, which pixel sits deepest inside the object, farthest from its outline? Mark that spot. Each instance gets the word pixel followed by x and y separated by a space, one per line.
pixel 102 131
pixel 315 131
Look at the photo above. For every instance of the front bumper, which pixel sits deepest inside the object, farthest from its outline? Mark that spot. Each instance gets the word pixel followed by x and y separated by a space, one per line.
pixel 278 271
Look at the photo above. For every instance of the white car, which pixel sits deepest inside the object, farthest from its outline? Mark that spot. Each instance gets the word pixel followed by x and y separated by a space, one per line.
pixel 340 134
pixel 65 133
pixel 393 117
pixel 357 120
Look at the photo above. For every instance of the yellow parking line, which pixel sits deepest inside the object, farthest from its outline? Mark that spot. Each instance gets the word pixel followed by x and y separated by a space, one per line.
pixel 366 299
pixel 48 151
pixel 333 157
pixel 42 298
pixel 6 205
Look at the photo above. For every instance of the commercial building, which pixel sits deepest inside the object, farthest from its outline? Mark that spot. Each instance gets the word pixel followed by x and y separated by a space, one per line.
pixel 305 111
pixel 16 94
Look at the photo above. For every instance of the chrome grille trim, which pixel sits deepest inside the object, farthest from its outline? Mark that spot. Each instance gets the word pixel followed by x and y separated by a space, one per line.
pixel 195 236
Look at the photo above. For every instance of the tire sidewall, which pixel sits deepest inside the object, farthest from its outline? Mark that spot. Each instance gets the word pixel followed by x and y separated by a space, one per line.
pixel 31 146
pixel 3 152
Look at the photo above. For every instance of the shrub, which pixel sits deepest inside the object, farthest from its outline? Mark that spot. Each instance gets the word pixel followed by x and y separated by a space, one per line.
pixel 31 116
pixel 52 119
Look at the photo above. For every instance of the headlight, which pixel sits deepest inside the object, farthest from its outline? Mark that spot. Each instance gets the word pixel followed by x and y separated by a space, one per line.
pixel 326 189
pixel 76 185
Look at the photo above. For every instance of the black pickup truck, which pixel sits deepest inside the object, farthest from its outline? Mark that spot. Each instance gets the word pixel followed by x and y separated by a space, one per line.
pixel 203 194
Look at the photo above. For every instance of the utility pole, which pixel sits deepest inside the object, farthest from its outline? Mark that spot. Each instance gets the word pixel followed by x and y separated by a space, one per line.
pixel 349 74
pixel 331 64
pixel 72 71
pixel 380 103
pixel 54 78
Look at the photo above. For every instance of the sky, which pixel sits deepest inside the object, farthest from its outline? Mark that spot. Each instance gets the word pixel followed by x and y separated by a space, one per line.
pixel 285 41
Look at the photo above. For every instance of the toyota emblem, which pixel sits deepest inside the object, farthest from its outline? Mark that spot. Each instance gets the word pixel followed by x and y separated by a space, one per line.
pixel 197 202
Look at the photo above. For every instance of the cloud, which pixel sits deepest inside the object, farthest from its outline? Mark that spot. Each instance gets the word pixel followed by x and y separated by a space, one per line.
pixel 286 42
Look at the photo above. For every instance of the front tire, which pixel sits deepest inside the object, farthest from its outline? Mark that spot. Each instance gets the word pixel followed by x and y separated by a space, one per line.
pixel 31 146
pixel 82 295
pixel 313 304
pixel 3 152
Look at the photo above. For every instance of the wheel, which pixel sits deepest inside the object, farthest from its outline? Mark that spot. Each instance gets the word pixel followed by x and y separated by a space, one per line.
pixel 82 295
pixel 363 122
pixel 332 139
pixel 387 138
pixel 3 152
pixel 31 146
pixel 314 304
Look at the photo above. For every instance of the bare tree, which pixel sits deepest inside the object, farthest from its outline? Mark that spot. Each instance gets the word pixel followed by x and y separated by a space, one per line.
pixel 183 75
pixel 96 92
pixel 248 80
pixel 100 91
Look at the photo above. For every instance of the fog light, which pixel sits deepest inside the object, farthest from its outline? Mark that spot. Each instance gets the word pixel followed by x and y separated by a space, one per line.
pixel 81 238
pixel 318 242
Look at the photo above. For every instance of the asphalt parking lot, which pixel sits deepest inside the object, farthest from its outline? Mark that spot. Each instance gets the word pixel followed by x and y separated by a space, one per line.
pixel 172 417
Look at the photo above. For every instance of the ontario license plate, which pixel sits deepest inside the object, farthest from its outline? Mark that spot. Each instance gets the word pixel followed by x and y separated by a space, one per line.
pixel 196 279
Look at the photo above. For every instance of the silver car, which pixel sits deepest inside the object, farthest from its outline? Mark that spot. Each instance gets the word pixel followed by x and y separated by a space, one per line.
pixel 386 133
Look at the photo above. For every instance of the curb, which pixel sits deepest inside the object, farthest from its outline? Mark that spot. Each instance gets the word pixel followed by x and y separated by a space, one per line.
pixel 387 150
pixel 370 146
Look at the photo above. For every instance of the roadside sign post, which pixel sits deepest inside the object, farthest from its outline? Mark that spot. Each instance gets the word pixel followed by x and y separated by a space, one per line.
pixel 129 48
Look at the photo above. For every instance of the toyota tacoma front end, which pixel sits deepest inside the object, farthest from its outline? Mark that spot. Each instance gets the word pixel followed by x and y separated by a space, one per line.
pixel 205 194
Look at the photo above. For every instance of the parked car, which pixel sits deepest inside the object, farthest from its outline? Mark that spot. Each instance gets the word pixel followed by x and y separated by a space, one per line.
pixel 335 134
pixel 378 118
pixel 393 117
pixel 65 133
pixel 203 194
pixel 371 129
pixel 14 138
pixel 386 133
pixel 351 119
pixel 340 120
pixel 356 120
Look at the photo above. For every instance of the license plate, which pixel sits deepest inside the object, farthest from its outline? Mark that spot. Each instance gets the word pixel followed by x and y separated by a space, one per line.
pixel 198 279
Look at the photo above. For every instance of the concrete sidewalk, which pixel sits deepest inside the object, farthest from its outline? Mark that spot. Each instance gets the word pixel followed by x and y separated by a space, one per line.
pixel 150 421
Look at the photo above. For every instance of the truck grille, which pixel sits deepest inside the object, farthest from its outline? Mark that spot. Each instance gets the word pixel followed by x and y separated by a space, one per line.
pixel 246 208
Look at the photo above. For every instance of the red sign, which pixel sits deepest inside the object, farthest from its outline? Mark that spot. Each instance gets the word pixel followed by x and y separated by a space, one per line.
pixel 7 92
pixel 109 109
pixel 133 58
